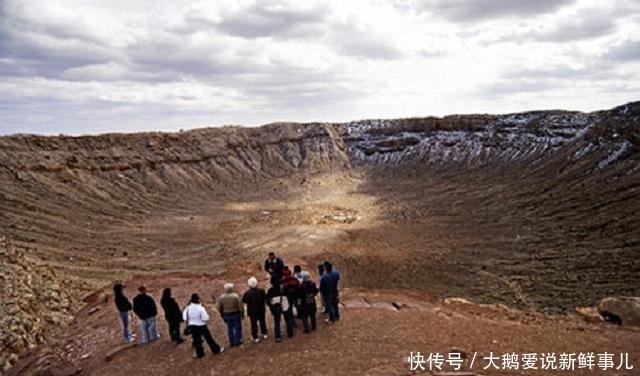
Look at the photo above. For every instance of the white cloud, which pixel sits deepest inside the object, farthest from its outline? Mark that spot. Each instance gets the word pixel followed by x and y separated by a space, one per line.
pixel 72 66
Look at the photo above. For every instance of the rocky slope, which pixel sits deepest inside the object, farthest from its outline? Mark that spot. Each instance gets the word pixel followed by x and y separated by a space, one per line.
pixel 472 140
pixel 35 303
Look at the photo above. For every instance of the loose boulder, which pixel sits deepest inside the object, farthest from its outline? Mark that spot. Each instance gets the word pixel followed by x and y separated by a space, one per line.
pixel 622 310
pixel 590 314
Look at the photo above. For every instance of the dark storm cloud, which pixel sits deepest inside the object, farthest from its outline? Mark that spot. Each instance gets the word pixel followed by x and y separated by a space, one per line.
pixel 477 10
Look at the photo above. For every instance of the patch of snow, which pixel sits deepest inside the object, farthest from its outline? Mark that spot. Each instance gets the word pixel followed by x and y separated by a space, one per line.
pixel 583 151
pixel 624 147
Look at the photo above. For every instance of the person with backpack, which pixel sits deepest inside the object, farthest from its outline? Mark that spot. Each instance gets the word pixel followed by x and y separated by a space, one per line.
pixel 309 308
pixel 124 308
pixel 172 314
pixel 196 317
pixel 255 299
pixel 291 288
pixel 279 306
pixel 145 308
pixel 232 311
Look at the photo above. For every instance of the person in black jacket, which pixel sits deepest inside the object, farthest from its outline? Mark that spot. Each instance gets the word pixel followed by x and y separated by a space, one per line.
pixel 274 266
pixel 291 287
pixel 124 307
pixel 255 299
pixel 172 314
pixel 309 307
pixel 279 306
pixel 145 308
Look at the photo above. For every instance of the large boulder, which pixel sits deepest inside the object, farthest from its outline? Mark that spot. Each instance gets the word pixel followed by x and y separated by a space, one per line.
pixel 622 310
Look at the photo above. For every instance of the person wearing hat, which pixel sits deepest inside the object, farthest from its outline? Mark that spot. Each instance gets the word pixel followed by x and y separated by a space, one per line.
pixel 255 299
pixel 308 306
pixel 232 311
pixel 196 317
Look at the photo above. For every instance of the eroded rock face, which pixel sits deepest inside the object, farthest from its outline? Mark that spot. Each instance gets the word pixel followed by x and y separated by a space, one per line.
pixel 475 140
pixel 626 309
pixel 35 303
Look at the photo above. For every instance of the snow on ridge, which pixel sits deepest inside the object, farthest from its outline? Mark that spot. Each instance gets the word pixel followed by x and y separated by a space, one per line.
pixel 508 137
pixel 616 154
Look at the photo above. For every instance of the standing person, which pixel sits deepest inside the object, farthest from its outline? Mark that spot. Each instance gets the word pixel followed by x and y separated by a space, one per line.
pixel 124 308
pixel 196 317
pixel 255 299
pixel 322 297
pixel 309 308
pixel 291 288
pixel 279 306
pixel 172 314
pixel 297 272
pixel 335 291
pixel 232 311
pixel 274 266
pixel 145 308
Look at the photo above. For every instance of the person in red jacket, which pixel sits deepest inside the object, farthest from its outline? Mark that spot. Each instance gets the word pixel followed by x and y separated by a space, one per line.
pixel 291 286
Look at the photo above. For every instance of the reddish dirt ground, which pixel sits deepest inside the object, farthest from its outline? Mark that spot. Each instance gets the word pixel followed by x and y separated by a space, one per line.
pixel 378 331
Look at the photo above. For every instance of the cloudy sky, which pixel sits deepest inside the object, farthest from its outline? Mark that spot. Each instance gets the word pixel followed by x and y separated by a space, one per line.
pixel 77 66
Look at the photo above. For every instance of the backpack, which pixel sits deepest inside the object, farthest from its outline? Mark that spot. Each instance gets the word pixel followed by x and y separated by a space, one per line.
pixel 309 299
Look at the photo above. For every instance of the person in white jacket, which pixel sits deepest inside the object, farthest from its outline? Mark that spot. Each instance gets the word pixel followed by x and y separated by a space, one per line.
pixel 196 318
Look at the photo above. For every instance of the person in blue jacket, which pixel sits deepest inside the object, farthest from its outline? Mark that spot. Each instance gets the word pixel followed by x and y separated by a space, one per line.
pixel 330 291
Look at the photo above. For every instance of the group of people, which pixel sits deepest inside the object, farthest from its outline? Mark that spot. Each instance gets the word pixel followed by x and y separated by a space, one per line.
pixel 291 296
